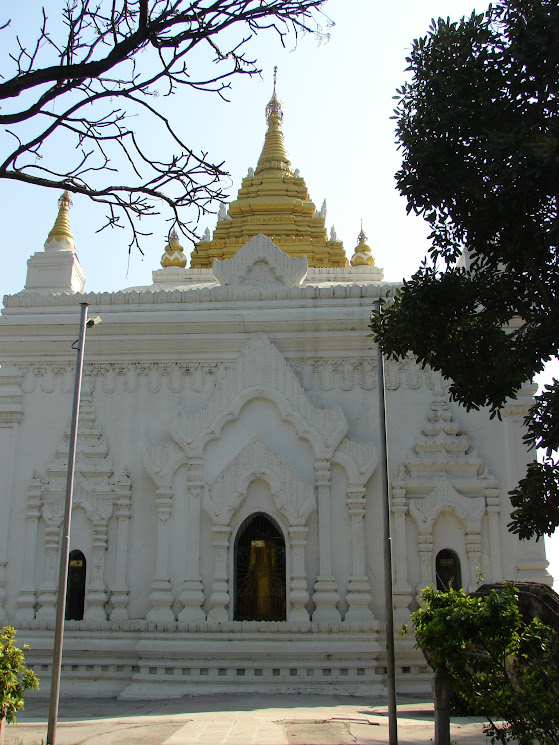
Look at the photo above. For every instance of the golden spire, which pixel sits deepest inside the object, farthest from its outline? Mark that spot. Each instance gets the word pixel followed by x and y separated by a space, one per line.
pixel 273 200
pixel 273 158
pixel 174 253
pixel 61 227
pixel 363 255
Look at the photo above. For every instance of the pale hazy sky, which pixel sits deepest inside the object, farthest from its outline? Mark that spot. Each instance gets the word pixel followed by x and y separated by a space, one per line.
pixel 337 98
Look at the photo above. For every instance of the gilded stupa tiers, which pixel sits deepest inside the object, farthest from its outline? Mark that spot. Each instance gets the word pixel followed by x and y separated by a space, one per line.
pixel 363 255
pixel 61 229
pixel 273 200
pixel 174 252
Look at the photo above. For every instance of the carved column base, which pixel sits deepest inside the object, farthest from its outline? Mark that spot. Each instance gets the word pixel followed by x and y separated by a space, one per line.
pixel 26 602
pixel 402 597
pixel 298 597
pixel 119 600
pixel 219 601
pixel 325 598
pixel 47 602
pixel 358 598
pixel 161 600
pixel 192 597
pixel 95 610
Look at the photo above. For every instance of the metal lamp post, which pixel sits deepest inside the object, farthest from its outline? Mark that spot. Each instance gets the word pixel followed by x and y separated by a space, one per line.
pixel 65 543
pixel 387 554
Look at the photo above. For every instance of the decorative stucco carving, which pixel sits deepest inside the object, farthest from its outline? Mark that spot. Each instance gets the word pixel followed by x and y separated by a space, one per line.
pixel 162 460
pixel 262 264
pixel 94 488
pixel 359 460
pixel 293 496
pixel 324 374
pixel 260 371
pixel 444 496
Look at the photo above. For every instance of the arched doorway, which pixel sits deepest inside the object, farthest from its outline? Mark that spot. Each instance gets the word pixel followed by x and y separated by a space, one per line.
pixel 259 570
pixel 447 567
pixel 75 596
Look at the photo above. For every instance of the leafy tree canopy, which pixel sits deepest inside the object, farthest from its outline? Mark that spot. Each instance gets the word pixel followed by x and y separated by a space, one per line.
pixel 500 665
pixel 478 127
pixel 79 98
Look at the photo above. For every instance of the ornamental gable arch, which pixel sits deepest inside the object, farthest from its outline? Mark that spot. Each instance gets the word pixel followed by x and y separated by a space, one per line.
pixel 260 371
pixel 102 495
pixel 443 473
pixel 292 495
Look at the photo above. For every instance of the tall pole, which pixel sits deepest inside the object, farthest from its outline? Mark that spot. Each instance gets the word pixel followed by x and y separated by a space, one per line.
pixel 388 599
pixel 65 544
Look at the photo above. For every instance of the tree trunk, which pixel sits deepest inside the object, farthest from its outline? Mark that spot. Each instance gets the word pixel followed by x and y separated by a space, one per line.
pixel 442 691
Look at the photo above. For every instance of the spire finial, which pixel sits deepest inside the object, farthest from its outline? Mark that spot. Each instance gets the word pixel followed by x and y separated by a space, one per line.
pixel 274 105
pixel 61 228
pixel 361 238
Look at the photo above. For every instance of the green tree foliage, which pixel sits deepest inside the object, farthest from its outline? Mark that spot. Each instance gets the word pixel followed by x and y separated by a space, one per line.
pixel 502 667
pixel 478 127
pixel 15 678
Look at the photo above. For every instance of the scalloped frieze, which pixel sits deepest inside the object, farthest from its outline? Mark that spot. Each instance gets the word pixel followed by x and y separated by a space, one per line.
pixel 260 263
pixel 260 371
pixel 323 374
pixel 293 496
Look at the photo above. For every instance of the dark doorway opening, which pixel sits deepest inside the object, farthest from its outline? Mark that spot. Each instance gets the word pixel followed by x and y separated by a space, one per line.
pixel 75 596
pixel 259 570
pixel 447 567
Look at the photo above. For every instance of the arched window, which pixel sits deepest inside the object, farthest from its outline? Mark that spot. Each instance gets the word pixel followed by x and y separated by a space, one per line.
pixel 447 567
pixel 259 570
pixel 75 596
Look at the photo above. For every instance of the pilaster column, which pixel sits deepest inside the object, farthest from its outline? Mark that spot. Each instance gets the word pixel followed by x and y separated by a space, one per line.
pixel 358 592
pixel 49 588
pixel 161 596
pixel 298 594
pixel 27 598
pixel 325 590
pixel 473 552
pixel 402 591
pixel 11 414
pixel 192 595
pixel 219 599
pixel 96 593
pixel 120 590
pixel 493 509
pixel 425 546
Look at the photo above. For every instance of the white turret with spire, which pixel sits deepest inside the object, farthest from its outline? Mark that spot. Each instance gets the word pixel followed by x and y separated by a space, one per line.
pixel 57 268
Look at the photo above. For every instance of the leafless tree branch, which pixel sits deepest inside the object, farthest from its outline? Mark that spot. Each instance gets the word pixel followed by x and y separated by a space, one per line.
pixel 83 78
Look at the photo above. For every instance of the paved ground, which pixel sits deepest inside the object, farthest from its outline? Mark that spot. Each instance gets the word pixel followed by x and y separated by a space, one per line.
pixel 241 719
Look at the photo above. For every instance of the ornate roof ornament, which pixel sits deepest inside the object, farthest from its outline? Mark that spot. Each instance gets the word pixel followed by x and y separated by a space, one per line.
pixel 274 104
pixel 61 228
pixel 363 255
pixel 174 252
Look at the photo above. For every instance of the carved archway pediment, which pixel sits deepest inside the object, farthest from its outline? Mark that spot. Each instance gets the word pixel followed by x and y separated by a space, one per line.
pixel 260 371
pixel 293 496
pixel 260 263
pixel 444 497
